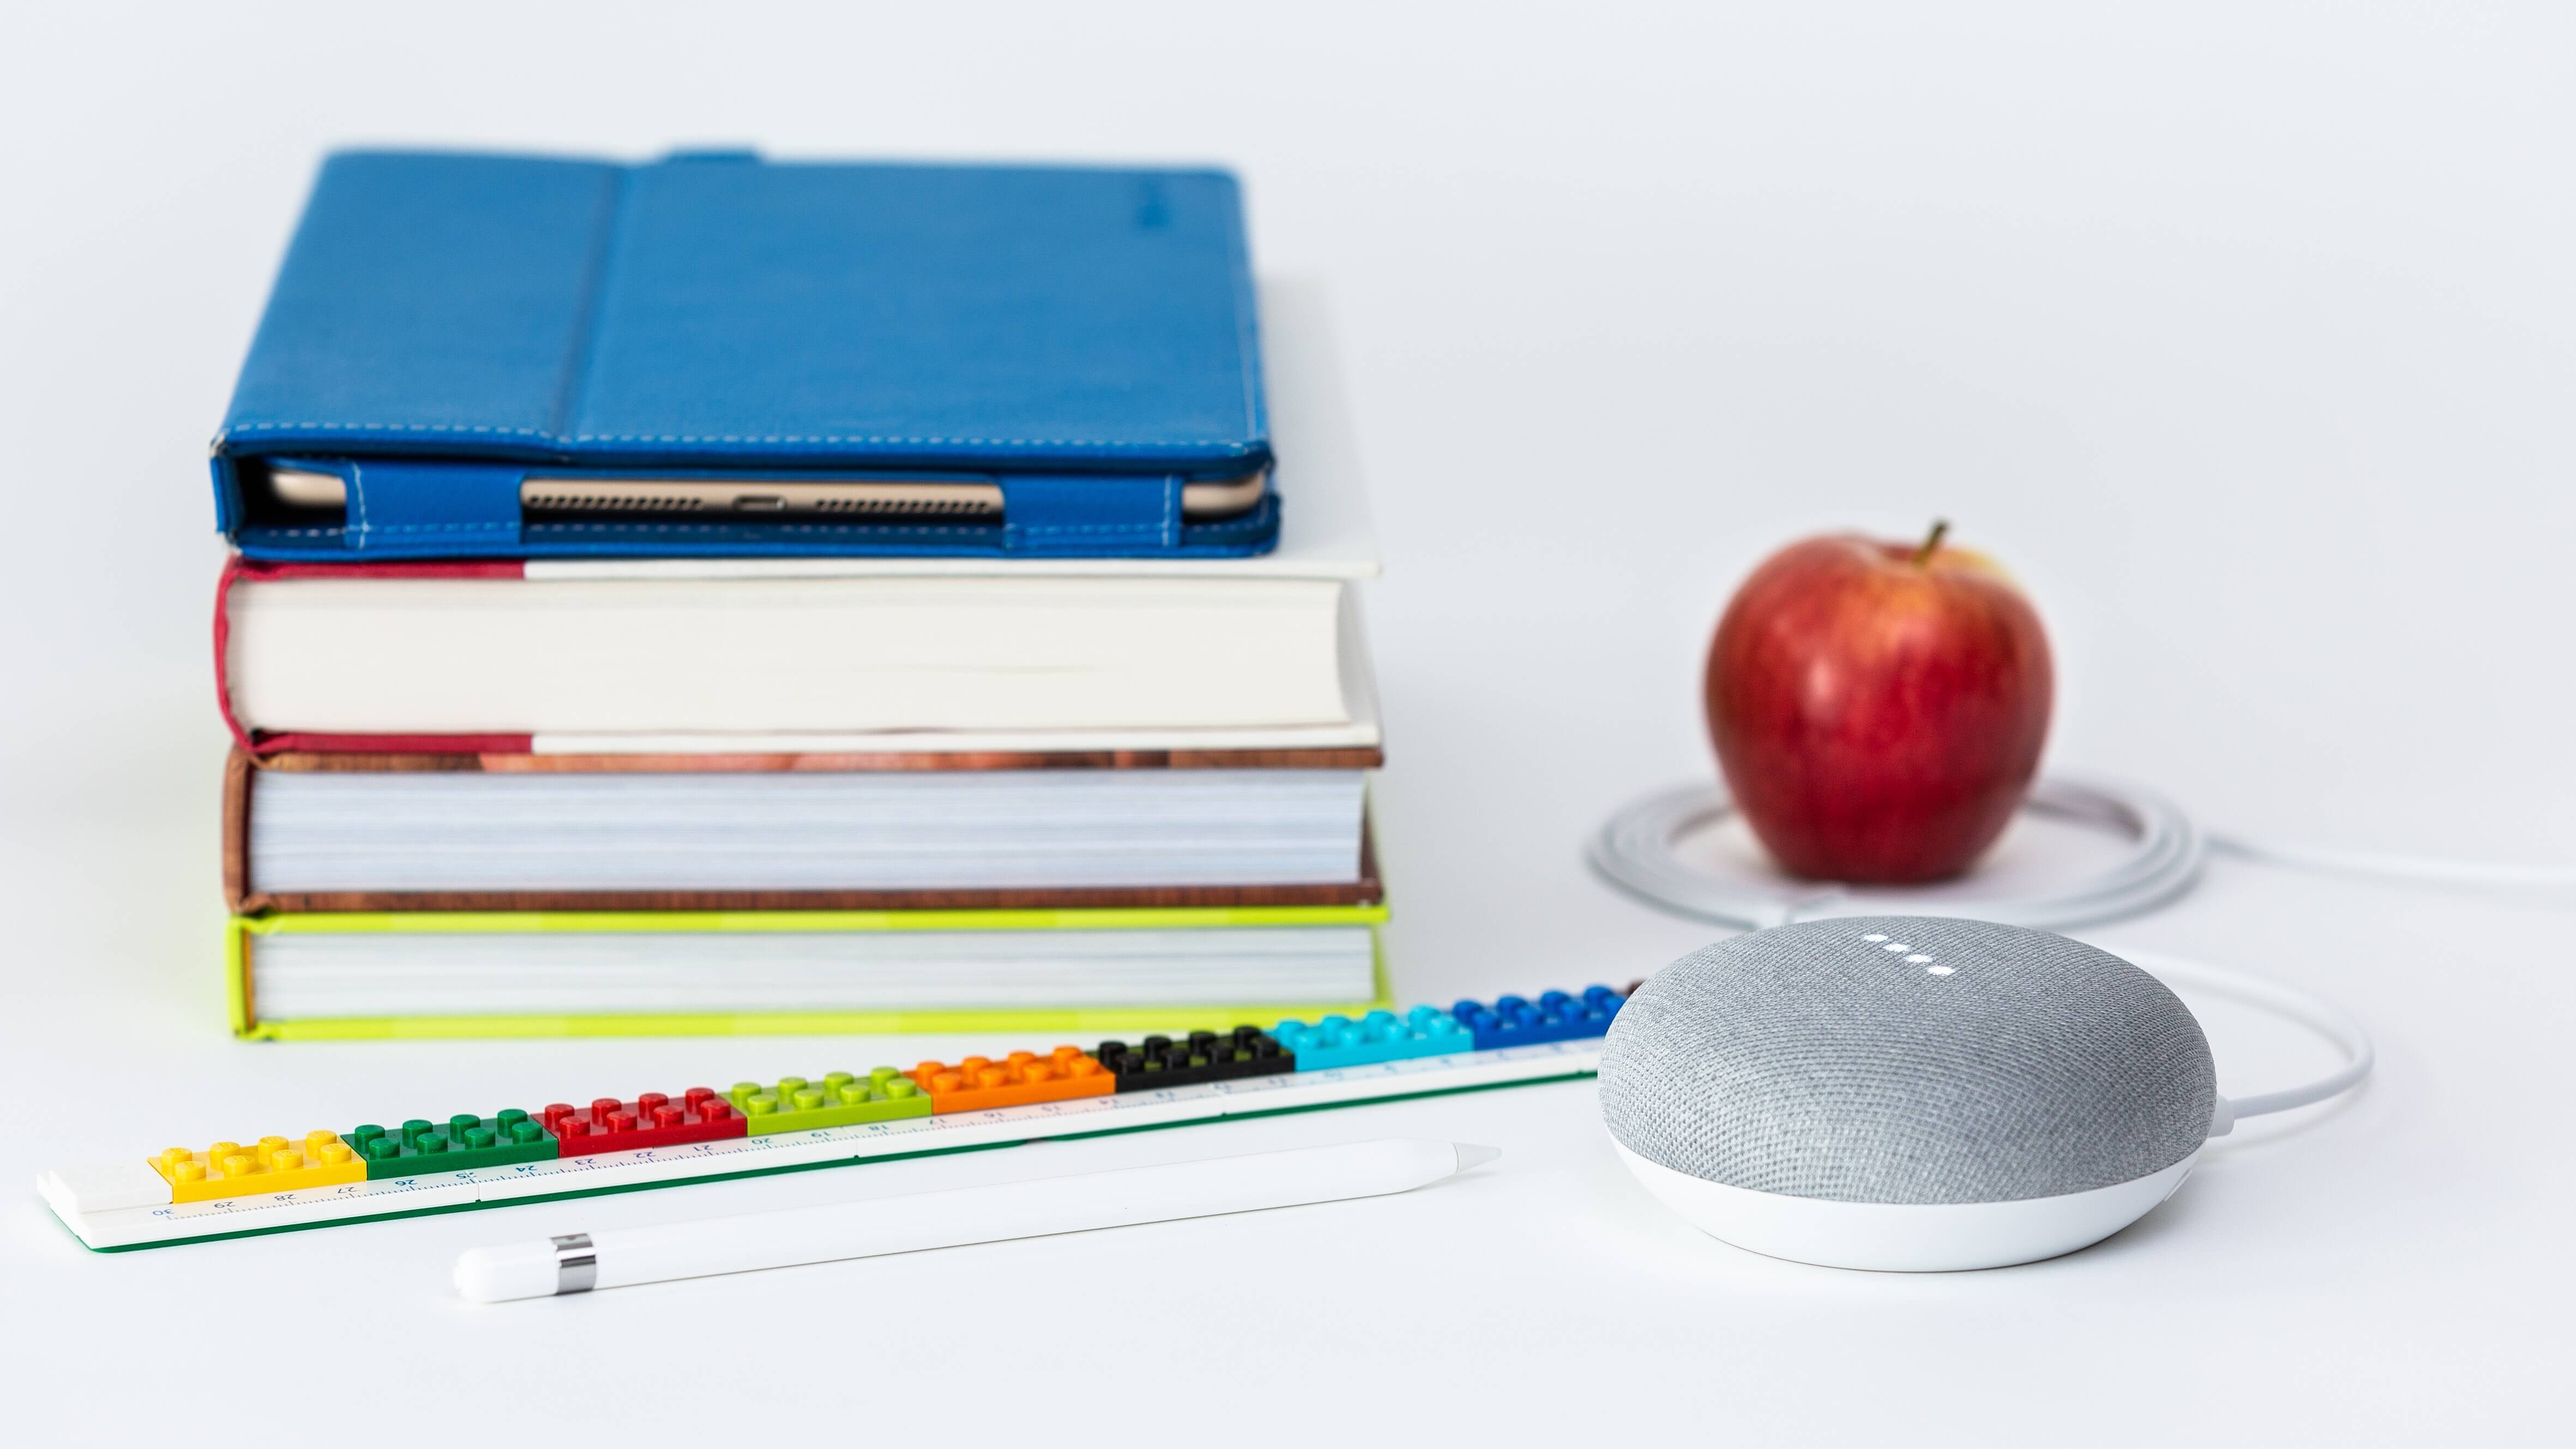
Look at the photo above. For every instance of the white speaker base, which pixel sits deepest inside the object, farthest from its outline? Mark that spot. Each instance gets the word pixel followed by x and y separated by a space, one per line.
pixel 1905 1237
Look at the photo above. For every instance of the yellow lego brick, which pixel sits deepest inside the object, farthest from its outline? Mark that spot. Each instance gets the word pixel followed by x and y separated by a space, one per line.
pixel 272 1164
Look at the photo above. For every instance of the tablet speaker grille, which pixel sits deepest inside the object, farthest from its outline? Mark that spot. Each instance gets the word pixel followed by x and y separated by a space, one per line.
pixel 1899 1059
pixel 606 503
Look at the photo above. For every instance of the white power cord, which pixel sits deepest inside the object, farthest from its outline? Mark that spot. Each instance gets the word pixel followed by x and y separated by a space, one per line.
pixel 2402 867
pixel 1637 850
pixel 2313 1012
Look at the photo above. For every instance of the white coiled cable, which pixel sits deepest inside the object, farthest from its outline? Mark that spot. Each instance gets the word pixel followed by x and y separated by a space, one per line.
pixel 1636 850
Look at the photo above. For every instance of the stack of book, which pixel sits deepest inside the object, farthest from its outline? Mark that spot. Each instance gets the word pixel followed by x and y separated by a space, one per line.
pixel 716 596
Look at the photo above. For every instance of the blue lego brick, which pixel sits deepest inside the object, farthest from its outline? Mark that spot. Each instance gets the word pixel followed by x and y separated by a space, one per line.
pixel 1380 1036
pixel 1555 1016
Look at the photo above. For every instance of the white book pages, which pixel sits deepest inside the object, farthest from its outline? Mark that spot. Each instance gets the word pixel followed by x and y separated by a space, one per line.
pixel 1360 731
pixel 976 829
pixel 516 656
pixel 310 975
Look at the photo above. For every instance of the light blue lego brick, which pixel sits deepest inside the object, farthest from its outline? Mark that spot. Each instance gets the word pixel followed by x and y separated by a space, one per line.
pixel 1380 1036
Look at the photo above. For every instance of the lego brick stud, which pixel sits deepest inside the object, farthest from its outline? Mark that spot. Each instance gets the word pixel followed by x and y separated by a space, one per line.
pixel 1202 1056
pixel 651 1120
pixel 272 1164
pixel 1555 1016
pixel 1018 1080
pixel 461 1143
pixel 1380 1036
pixel 840 1099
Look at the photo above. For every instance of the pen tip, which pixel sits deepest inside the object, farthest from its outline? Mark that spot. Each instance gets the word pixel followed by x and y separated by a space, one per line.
pixel 1471 1155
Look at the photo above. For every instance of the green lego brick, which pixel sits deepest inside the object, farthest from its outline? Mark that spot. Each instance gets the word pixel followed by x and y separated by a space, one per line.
pixel 460 1142
pixel 793 1104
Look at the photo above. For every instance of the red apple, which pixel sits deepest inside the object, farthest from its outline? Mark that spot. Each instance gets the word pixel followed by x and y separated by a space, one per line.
pixel 1878 708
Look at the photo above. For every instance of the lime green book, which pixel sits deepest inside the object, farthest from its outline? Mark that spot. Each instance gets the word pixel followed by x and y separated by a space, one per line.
pixel 330 975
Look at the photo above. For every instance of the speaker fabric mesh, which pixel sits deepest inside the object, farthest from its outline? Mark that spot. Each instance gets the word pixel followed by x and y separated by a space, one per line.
pixel 1818 1060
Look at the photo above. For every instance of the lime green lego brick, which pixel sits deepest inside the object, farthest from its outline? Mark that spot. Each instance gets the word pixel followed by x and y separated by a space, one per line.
pixel 841 1099
pixel 460 1142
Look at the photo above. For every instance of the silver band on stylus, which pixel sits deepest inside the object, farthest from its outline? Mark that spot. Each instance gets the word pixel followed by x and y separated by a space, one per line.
pixel 576 1264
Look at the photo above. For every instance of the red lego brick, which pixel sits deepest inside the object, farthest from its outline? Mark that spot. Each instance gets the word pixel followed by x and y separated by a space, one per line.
pixel 651 1120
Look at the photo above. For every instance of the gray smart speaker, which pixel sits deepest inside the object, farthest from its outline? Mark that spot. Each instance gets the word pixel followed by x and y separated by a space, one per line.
pixel 1907 1093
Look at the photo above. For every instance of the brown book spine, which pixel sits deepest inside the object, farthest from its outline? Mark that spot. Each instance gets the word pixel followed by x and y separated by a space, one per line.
pixel 238 767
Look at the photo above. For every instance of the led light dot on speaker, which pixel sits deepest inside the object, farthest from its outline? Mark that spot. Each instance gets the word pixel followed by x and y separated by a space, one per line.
pixel 1907 1093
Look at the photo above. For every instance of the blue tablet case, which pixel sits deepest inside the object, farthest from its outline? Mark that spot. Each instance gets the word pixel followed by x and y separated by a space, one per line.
pixel 446 324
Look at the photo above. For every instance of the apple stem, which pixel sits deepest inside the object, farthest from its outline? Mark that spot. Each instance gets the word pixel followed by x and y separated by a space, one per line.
pixel 1923 555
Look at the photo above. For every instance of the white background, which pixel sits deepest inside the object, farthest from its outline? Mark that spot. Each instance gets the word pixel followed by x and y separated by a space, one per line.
pixel 2242 333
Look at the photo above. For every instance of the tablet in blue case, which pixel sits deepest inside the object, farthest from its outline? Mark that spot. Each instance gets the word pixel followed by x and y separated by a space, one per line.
pixel 1078 343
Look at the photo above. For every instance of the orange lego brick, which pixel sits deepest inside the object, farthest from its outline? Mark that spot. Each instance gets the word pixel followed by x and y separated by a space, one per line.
pixel 272 1164
pixel 1022 1078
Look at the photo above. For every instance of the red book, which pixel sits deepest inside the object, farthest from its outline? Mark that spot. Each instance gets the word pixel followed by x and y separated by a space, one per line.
pixel 787 656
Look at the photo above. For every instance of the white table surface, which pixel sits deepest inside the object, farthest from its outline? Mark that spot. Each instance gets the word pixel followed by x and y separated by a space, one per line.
pixel 2243 334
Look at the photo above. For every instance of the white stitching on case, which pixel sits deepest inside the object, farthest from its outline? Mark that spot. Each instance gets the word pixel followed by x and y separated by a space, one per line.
pixel 492 528
pixel 358 493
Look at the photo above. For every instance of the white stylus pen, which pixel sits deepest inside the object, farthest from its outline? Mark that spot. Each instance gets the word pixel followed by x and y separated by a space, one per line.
pixel 619 1257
